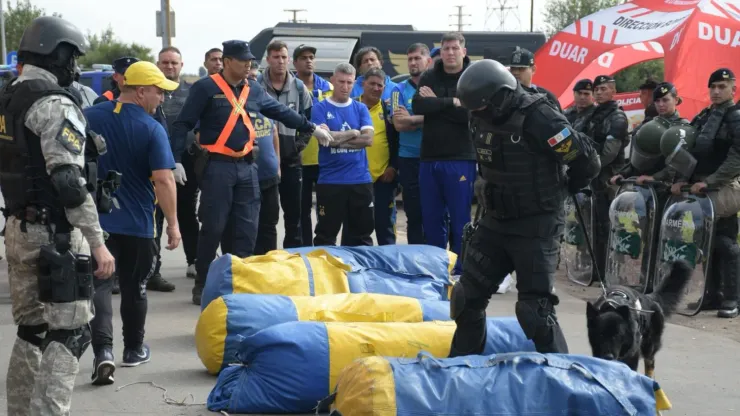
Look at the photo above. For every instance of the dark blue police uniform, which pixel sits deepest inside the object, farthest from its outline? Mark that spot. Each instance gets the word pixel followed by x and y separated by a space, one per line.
pixel 229 183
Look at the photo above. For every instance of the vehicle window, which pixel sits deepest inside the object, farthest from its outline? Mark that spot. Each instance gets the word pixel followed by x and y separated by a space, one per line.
pixel 86 81
pixel 106 83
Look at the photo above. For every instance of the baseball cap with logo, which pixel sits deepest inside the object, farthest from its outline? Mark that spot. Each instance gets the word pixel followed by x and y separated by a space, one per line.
pixel 303 48
pixel 522 58
pixel 144 73
pixel 722 74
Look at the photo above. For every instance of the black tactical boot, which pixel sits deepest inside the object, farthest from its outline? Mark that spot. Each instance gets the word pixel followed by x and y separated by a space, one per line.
pixel 158 284
pixel 197 295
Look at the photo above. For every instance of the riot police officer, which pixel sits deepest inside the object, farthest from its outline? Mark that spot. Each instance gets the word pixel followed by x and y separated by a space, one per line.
pixel 716 164
pixel 646 161
pixel 608 127
pixel 583 101
pixel 52 217
pixel 523 144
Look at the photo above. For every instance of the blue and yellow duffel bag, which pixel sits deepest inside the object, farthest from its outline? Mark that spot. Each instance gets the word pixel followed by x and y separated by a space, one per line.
pixel 502 385
pixel 290 367
pixel 315 271
pixel 228 320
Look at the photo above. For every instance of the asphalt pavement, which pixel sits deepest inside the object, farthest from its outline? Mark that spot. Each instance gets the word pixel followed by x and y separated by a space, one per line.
pixel 698 369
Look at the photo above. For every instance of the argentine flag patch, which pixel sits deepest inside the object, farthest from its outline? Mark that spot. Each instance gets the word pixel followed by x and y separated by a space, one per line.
pixel 554 140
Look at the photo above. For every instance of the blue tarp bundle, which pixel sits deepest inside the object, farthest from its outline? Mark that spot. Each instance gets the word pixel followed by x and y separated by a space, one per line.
pixel 502 385
pixel 290 367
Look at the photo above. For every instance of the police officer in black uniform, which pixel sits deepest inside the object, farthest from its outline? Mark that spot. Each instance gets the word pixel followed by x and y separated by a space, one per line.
pixel 717 154
pixel 523 146
pixel 523 67
pixel 583 101
pixel 607 126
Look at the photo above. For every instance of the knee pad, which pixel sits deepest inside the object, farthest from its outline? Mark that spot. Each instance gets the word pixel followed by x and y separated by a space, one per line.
pixel 30 333
pixel 537 318
pixel 75 340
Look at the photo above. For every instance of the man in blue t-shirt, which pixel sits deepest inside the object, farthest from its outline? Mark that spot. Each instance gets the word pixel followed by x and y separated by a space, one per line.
pixel 138 148
pixel 344 191
pixel 409 128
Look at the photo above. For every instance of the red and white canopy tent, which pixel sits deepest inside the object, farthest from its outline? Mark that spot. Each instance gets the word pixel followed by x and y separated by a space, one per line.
pixel 694 36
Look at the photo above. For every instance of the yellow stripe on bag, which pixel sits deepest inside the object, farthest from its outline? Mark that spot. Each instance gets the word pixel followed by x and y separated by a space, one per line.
pixel 329 273
pixel 661 401
pixel 374 375
pixel 353 307
pixel 453 258
pixel 276 272
pixel 211 333
pixel 348 342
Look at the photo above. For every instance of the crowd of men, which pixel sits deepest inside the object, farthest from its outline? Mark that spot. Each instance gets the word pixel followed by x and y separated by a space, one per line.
pixel 253 140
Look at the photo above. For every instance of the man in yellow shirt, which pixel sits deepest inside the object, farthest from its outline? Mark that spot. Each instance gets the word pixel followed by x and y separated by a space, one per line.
pixel 382 157
pixel 303 60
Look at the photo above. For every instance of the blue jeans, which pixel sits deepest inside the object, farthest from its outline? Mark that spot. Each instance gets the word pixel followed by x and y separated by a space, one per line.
pixel 230 192
pixel 408 175
pixel 446 188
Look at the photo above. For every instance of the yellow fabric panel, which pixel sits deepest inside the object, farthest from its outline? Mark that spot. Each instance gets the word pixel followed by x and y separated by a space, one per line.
pixel 661 401
pixel 358 307
pixel 453 258
pixel 329 273
pixel 350 341
pixel 210 335
pixel 310 155
pixel 277 272
pixel 378 155
pixel 373 375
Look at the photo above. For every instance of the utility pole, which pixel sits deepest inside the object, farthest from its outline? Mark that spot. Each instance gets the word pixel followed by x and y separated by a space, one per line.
pixel 295 15
pixel 165 23
pixel 460 16
pixel 531 17
pixel 2 29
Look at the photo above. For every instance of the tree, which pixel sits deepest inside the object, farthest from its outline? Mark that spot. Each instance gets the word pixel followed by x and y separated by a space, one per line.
pixel 17 19
pixel 106 48
pixel 559 14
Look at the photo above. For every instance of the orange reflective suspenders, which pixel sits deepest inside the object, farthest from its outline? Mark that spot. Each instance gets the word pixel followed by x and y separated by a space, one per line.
pixel 109 95
pixel 238 107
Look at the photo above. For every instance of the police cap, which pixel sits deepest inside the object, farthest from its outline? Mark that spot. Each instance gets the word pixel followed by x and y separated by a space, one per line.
pixel 722 74
pixel 434 52
pixel 583 84
pixel 237 49
pixel 522 58
pixel 120 65
pixel 663 89
pixel 481 81
pixel 45 33
pixel 603 79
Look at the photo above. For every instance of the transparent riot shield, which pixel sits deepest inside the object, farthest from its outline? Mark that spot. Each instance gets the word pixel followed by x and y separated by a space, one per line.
pixel 575 252
pixel 633 229
pixel 686 232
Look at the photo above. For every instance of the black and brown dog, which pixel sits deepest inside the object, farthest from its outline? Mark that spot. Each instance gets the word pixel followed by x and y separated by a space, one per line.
pixel 625 325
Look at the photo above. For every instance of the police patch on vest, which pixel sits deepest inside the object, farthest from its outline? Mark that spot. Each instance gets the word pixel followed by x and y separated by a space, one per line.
pixel 70 138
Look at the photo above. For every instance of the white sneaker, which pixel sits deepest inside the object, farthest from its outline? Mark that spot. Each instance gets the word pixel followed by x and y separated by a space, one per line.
pixel 506 285
pixel 191 271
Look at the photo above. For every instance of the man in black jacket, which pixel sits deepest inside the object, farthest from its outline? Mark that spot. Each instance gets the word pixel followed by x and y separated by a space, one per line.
pixel 447 165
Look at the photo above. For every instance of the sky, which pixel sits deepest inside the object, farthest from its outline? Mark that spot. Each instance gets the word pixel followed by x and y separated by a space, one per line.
pixel 202 25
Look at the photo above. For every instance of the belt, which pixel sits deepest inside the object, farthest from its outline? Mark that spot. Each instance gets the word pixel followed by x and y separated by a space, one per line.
pixel 225 158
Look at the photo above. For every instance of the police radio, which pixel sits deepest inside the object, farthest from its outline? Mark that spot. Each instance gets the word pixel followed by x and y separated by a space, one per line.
pixel 104 199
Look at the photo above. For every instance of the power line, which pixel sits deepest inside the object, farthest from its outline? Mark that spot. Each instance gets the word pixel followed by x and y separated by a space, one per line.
pixel 295 15
pixel 502 9
pixel 460 16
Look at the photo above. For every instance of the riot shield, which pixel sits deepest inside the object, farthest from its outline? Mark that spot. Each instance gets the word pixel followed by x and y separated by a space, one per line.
pixel 578 263
pixel 633 229
pixel 686 232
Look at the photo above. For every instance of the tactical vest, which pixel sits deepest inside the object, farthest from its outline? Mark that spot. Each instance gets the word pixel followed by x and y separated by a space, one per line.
pixel 23 177
pixel 522 180
pixel 710 155
pixel 597 126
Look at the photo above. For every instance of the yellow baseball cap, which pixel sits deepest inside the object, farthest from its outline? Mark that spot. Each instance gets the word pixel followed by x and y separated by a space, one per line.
pixel 145 73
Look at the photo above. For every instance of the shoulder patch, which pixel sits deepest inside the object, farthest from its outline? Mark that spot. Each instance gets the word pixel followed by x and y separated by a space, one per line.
pixel 554 140
pixel 70 137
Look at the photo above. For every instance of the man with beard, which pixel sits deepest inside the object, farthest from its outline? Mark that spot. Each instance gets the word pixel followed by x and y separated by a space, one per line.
pixel 409 127
pixel 608 127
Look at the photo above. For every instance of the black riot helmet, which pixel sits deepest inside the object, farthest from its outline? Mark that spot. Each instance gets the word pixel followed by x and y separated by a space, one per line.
pixel 481 81
pixel 54 44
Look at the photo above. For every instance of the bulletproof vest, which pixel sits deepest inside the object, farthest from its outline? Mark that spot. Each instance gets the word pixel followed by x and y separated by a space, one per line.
pixel 522 180
pixel 714 140
pixel 174 102
pixel 597 125
pixel 23 177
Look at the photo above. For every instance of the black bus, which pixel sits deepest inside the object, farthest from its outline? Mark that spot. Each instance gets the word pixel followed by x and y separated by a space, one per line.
pixel 337 43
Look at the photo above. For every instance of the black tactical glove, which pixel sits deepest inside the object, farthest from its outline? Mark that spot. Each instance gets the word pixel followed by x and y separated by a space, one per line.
pixel 577 183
